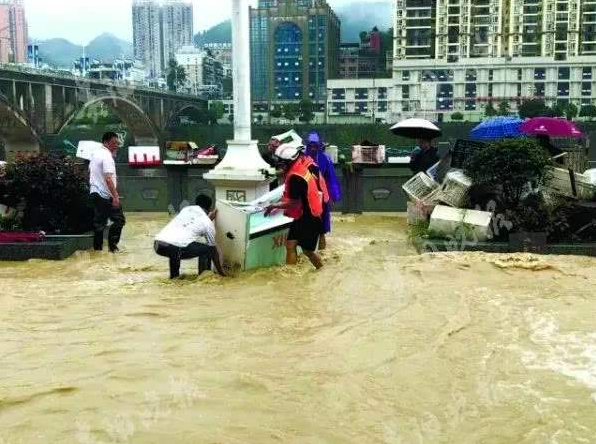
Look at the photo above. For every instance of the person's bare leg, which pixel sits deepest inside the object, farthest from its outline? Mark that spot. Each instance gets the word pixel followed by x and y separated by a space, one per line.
pixel 314 258
pixel 322 242
pixel 291 252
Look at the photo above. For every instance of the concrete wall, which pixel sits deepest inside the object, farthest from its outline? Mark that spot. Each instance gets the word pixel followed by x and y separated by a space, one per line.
pixel 365 188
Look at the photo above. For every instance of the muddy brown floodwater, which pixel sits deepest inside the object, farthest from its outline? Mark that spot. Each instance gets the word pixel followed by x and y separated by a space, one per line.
pixel 381 346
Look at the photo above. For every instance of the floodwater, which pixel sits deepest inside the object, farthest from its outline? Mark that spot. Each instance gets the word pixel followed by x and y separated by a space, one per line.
pixel 381 346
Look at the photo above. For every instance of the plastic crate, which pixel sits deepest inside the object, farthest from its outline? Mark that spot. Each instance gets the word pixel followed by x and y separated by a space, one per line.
pixel 559 182
pixel 421 188
pixel 455 189
pixel 368 154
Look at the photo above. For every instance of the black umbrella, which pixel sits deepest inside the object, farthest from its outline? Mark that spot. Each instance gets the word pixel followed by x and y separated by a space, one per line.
pixel 416 129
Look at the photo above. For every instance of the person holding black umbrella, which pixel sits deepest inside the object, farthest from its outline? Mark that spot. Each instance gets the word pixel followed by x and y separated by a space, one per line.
pixel 425 155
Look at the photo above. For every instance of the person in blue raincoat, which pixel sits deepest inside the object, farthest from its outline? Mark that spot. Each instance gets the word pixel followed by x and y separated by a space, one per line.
pixel 315 148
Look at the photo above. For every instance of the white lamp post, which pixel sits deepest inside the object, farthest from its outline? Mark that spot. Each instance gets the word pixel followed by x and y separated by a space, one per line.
pixel 242 175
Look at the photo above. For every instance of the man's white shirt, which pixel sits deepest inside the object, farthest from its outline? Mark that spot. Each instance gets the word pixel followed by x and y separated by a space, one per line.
pixel 102 163
pixel 190 225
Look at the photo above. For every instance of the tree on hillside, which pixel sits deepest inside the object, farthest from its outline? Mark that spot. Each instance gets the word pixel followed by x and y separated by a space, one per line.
pixel 533 108
pixel 489 110
pixel 588 111
pixel 176 76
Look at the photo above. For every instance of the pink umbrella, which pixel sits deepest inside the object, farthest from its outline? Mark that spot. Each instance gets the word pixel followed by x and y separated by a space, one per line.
pixel 550 126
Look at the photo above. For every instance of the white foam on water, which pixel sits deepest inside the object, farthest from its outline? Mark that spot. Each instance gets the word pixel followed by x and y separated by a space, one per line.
pixel 571 354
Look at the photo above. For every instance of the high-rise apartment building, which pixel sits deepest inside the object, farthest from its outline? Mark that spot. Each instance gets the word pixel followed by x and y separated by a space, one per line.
pixel 159 30
pixel 294 50
pixel 458 55
pixel 177 27
pixel 13 32
pixel 203 70
pixel 147 41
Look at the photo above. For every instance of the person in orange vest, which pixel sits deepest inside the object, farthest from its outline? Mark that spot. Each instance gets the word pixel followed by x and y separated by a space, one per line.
pixel 304 195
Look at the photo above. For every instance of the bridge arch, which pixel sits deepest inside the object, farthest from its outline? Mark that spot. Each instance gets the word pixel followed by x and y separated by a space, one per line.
pixel 144 131
pixel 17 135
pixel 179 111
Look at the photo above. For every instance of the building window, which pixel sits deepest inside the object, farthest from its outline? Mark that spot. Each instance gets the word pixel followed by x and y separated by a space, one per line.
pixel 288 55
pixel 470 105
pixel 405 76
pixel 338 108
pixel 445 91
pixel 382 93
pixel 490 90
pixel 361 107
pixel 586 89
pixel 382 107
pixel 539 73
pixel 519 90
pixel 563 89
pixel 405 92
pixel 520 75
pixel 564 73
pixel 539 89
pixel 338 93
pixel 361 93
pixel 471 75
pixel 587 73
pixel 470 90
pixel 491 75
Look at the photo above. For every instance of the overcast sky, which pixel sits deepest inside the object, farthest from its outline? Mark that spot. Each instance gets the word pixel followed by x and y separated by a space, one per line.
pixel 82 20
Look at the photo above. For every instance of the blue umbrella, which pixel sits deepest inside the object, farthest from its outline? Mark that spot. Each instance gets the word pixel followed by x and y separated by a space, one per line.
pixel 497 128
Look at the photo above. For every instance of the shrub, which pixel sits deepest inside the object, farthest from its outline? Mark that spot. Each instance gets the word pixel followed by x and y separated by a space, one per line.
pixel 53 192
pixel 457 116
pixel 10 223
pixel 508 166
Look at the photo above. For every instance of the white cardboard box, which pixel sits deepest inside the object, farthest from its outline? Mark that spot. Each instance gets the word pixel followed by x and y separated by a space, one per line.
pixel 85 149
pixel 474 224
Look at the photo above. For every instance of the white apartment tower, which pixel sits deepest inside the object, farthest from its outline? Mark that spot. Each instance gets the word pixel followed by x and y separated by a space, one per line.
pixel 177 27
pixel 159 30
pixel 458 55
pixel 146 28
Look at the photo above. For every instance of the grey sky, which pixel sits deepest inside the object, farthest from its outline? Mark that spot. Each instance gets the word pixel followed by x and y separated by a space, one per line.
pixel 81 20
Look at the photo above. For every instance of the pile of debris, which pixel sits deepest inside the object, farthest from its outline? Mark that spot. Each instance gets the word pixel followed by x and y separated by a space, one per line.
pixel 442 194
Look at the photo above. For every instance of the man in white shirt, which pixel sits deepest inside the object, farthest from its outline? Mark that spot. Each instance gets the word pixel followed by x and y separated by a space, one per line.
pixel 104 193
pixel 191 234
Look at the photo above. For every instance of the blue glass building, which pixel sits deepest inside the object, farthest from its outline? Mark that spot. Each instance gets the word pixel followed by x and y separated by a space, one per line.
pixel 294 50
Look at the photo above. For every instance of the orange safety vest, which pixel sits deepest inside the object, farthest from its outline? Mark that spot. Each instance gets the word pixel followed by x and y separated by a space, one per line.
pixel 317 193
